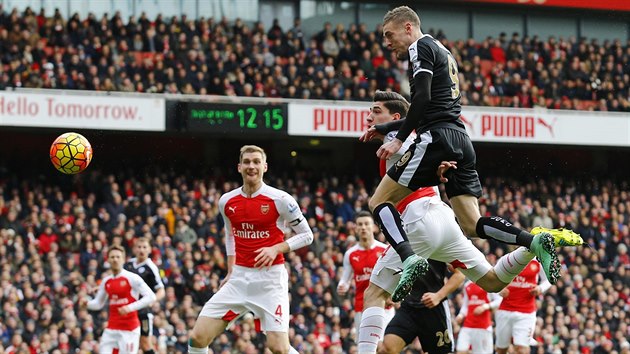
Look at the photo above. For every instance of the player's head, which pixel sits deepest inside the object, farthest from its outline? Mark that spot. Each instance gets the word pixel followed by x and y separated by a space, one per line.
pixel 116 257
pixel 387 106
pixel 401 27
pixel 141 248
pixel 365 225
pixel 252 164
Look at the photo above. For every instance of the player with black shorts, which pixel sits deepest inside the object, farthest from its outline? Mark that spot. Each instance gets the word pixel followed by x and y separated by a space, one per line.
pixel 420 317
pixel 149 272
pixel 441 137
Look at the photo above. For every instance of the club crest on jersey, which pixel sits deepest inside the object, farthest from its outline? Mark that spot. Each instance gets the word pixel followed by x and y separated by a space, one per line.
pixel 404 159
pixel 264 208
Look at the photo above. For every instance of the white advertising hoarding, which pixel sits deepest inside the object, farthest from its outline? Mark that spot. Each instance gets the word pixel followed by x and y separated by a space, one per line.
pixel 51 110
pixel 332 119
pixel 484 124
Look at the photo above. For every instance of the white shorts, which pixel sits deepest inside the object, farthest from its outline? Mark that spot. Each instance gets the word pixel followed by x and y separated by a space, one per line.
pixel 435 236
pixel 264 292
pixel 127 342
pixel 514 327
pixel 477 340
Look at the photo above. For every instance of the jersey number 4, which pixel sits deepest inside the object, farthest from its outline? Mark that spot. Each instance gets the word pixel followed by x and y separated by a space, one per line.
pixel 278 311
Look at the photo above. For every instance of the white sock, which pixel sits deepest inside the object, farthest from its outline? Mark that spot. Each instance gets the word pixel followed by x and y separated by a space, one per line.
pixel 293 351
pixel 371 329
pixel 510 265
pixel 193 350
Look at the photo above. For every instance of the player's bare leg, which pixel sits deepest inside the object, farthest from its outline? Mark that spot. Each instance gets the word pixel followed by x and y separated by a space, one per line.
pixel 278 342
pixel 372 324
pixel 387 194
pixel 205 331
pixel 146 344
pixel 518 349
pixel 392 344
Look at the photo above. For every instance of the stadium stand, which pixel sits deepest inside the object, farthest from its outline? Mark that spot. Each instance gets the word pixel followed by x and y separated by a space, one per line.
pixel 206 56
pixel 52 241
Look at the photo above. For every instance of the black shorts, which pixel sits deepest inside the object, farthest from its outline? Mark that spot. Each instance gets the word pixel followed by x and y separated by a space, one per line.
pixel 431 326
pixel 418 166
pixel 146 323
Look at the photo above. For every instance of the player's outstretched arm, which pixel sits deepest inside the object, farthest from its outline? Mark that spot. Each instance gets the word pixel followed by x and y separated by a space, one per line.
pixel 344 282
pixel 98 301
pixel 463 311
pixel 146 299
pixel 431 300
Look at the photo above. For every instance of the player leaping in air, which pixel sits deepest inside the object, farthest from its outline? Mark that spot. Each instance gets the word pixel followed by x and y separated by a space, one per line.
pixel 433 234
pixel 441 136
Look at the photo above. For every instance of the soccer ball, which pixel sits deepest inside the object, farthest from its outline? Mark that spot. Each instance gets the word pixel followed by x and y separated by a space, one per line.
pixel 71 153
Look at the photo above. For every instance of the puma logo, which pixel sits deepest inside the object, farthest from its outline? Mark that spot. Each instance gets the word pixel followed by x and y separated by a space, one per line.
pixel 232 209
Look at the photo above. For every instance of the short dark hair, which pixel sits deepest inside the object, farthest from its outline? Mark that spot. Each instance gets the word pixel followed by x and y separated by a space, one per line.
pixel 363 214
pixel 393 101
pixel 115 248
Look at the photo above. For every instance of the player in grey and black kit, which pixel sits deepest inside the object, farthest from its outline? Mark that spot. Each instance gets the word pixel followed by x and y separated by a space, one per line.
pixel 149 272
pixel 424 314
pixel 441 137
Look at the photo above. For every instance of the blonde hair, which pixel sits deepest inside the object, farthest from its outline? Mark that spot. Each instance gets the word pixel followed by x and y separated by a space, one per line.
pixel 250 149
pixel 402 14
pixel 142 239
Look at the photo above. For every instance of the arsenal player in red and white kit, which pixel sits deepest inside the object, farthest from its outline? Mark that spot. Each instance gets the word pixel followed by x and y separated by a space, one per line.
pixel 358 262
pixel 256 218
pixel 475 335
pixel 127 293
pixel 516 316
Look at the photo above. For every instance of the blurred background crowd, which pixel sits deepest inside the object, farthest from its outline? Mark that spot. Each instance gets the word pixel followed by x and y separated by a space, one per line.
pixel 216 56
pixel 53 239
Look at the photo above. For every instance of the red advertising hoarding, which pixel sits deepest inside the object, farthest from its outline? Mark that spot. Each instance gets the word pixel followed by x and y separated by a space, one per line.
pixel 616 5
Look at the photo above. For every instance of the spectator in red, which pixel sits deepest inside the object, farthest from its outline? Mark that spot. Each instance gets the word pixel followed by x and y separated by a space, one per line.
pixel 45 240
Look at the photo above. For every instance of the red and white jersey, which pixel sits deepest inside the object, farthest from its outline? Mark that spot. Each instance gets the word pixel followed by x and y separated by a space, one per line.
pixel 358 263
pixel 475 296
pixel 122 289
pixel 431 194
pixel 256 221
pixel 519 299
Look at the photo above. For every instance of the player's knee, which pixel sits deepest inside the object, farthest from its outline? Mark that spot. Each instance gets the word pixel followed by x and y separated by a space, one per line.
pixel 373 203
pixel 494 287
pixel 145 343
pixel 198 339
pixel 278 348
pixel 469 228
pixel 387 348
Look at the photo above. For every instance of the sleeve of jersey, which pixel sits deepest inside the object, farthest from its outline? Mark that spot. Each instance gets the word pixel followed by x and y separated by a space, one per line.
pixel 230 248
pixel 544 282
pixel 421 58
pixel 495 300
pixel 147 295
pixel 98 301
pixel 464 309
pixel 291 213
pixel 347 269
pixel 156 274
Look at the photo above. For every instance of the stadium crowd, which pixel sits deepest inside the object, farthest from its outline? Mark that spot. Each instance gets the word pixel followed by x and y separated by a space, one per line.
pixel 53 241
pixel 221 57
